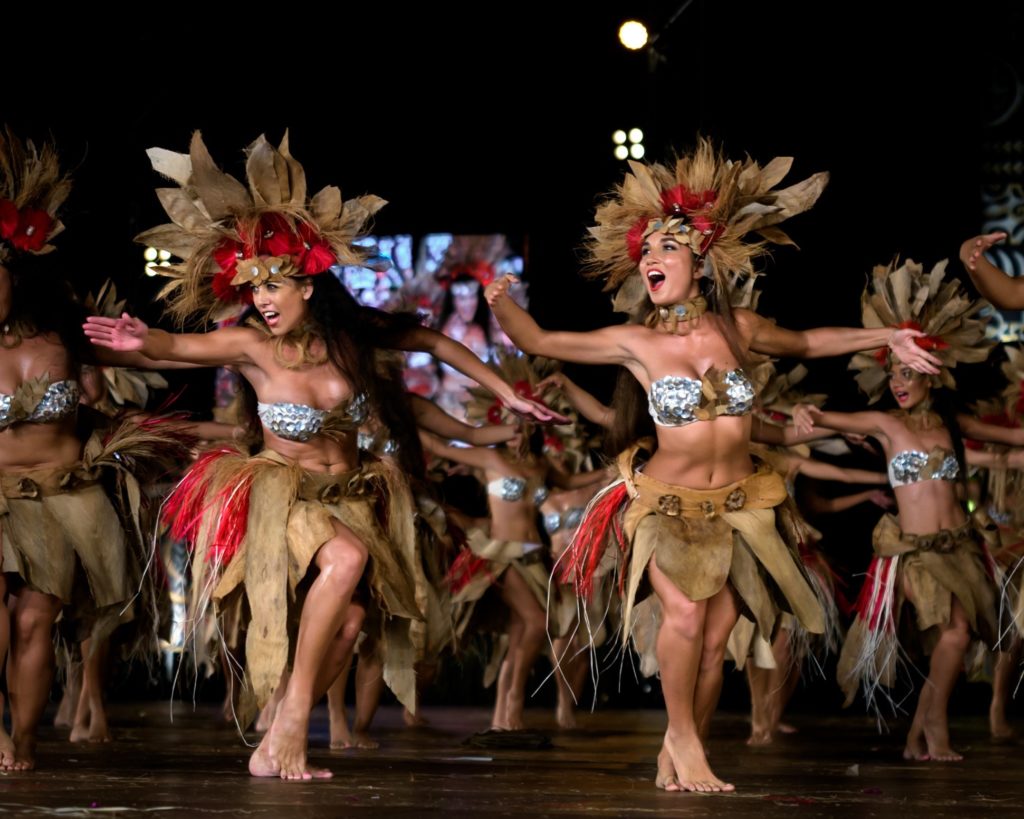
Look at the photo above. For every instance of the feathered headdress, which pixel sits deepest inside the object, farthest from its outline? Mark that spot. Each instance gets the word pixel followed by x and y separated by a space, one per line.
pixel 32 189
pixel 472 261
pixel 712 204
pixel 230 235
pixel 777 393
pixel 125 385
pixel 903 296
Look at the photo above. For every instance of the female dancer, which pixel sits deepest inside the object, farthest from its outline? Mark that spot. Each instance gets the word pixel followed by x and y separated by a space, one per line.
pixel 928 554
pixel 299 520
pixel 674 237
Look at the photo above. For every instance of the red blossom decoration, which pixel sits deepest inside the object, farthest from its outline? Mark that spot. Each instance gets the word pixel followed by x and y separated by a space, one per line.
pixel 316 254
pixel 8 218
pixel 679 200
pixel 276 237
pixel 635 240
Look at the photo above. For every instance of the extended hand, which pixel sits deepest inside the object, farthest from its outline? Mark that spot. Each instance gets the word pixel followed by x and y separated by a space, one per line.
pixel 534 411
pixel 126 334
pixel 497 290
pixel 972 249
pixel 902 343
pixel 804 416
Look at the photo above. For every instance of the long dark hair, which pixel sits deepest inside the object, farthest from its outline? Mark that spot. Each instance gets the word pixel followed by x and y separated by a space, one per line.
pixel 353 333
pixel 947 407
pixel 482 315
pixel 42 302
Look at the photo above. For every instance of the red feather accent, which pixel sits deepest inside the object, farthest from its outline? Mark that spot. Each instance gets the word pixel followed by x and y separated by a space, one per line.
pixel 587 547
pixel 869 606
pixel 463 569
pixel 190 503
pixel 635 239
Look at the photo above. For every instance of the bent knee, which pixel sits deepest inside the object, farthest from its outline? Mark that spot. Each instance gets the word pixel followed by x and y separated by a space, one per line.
pixel 343 555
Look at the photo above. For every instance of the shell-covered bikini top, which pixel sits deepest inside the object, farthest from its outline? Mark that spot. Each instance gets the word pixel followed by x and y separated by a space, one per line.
pixel 300 422
pixel 514 489
pixel 39 401
pixel 912 466
pixel 677 400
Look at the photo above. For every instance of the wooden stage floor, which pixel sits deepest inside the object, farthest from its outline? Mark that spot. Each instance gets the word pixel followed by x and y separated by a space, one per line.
pixel 835 767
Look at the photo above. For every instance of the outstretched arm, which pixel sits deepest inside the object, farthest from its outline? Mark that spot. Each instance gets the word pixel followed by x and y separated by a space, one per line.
pixel 431 417
pixel 830 472
pixel 476 457
pixel 609 345
pixel 584 403
pixel 843 502
pixel 461 358
pixel 878 424
pixel 1000 289
pixel 979 430
pixel 219 348
pixel 768 338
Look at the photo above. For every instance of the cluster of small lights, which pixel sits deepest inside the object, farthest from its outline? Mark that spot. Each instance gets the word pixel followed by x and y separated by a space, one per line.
pixel 154 259
pixel 635 147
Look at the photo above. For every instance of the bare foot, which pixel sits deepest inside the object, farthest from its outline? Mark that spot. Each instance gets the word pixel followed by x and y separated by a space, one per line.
pixel 691 767
pixel 414 720
pixel 282 752
pixel 759 737
pixel 998 726
pixel 24 755
pixel 665 779
pixel 6 750
pixel 341 737
pixel 786 728
pixel 916 749
pixel 266 717
pixel 65 716
pixel 565 715
pixel 936 735
pixel 361 739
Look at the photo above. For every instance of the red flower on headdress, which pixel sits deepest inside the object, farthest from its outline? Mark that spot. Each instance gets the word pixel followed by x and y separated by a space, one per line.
pixel 554 443
pixel 8 218
pixel 635 240
pixel 276 237
pixel 481 271
pixel 678 200
pixel 26 229
pixel 226 255
pixel 316 254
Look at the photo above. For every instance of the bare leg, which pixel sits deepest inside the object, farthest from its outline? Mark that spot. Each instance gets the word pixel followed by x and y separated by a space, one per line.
pixel 565 710
pixel 91 715
pixel 283 750
pixel 65 716
pixel 425 673
pixel 369 686
pixel 266 717
pixel 1005 664
pixel 499 720
pixel 760 682
pixel 7 756
pixel 722 614
pixel 523 652
pixel 30 672
pixel 931 718
pixel 682 764
pixel 787 677
pixel 341 737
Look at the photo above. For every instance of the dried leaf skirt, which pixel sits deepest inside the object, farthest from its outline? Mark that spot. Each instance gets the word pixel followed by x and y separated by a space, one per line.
pixel 924 573
pixel 256 525
pixel 701 540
